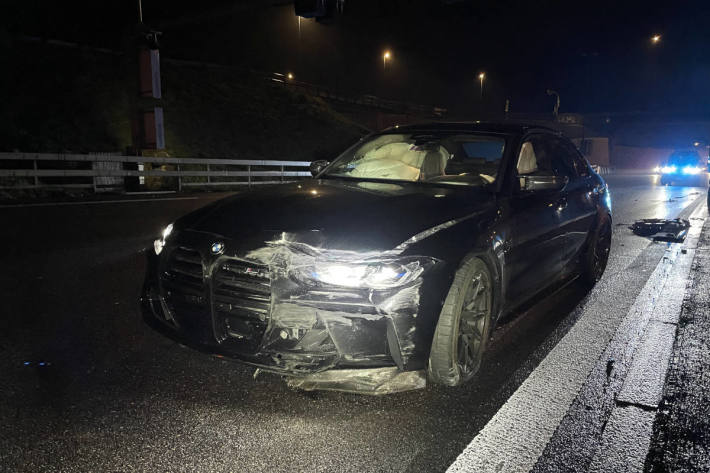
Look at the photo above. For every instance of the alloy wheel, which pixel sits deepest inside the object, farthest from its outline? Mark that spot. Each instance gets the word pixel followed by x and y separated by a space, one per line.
pixel 475 314
pixel 601 251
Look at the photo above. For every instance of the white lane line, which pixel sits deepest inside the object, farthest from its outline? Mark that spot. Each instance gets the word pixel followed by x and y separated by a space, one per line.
pixel 95 202
pixel 513 440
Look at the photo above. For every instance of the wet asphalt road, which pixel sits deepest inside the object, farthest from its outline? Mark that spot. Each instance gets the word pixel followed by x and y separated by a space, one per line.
pixel 114 396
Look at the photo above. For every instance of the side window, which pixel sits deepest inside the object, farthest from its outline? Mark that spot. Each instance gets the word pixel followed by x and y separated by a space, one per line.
pixel 560 160
pixel 536 157
pixel 573 157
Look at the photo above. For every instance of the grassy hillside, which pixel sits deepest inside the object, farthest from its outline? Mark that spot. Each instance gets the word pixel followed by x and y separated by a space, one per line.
pixel 58 99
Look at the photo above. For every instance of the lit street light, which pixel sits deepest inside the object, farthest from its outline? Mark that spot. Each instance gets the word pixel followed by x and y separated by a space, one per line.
pixel 290 76
pixel 482 76
pixel 386 57
pixel 655 39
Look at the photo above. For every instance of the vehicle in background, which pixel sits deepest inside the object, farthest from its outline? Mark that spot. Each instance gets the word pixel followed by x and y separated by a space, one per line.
pixel 684 167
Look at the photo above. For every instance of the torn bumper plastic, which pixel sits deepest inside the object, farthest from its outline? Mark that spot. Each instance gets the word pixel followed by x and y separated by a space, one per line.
pixel 375 381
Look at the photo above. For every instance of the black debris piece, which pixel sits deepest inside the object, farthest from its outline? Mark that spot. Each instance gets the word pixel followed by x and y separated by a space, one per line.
pixel 661 229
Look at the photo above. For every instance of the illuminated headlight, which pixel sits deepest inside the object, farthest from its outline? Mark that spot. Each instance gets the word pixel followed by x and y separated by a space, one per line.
pixel 366 275
pixel 159 243
pixel 668 169
pixel 657 169
pixel 692 170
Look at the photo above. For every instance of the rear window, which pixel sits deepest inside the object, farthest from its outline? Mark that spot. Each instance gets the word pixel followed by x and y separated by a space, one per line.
pixel 685 158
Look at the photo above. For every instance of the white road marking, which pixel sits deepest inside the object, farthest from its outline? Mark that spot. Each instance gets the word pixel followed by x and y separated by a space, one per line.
pixel 95 202
pixel 513 440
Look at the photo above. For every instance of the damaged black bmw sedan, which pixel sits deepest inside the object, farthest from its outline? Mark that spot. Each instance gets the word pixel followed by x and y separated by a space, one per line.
pixel 390 267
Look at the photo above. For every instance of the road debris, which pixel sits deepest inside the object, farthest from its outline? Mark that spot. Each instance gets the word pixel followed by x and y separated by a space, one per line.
pixel 661 229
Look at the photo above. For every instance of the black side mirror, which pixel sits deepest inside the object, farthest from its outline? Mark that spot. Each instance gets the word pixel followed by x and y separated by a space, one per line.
pixel 543 183
pixel 318 166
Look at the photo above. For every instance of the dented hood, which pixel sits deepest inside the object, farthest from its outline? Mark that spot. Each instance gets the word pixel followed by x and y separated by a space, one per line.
pixel 349 215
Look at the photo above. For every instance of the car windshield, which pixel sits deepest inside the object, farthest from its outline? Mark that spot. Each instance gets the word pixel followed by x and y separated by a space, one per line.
pixel 685 158
pixel 452 158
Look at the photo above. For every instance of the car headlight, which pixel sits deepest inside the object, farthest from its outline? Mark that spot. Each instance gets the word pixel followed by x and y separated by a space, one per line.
pixel 668 169
pixel 692 170
pixel 159 243
pixel 375 275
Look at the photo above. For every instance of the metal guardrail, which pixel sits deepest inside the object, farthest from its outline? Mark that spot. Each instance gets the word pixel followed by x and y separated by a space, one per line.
pixel 602 170
pixel 97 169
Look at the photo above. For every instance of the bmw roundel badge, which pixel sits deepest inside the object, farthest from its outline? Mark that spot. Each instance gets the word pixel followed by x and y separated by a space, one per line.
pixel 217 248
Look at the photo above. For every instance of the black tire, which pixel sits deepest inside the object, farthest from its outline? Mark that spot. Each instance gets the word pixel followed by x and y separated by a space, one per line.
pixel 596 257
pixel 461 335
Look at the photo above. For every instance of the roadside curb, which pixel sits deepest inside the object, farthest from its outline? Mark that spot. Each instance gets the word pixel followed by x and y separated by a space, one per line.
pixel 627 434
pixel 681 440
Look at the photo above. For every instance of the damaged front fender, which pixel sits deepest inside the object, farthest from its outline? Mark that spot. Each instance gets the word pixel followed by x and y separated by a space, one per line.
pixel 336 308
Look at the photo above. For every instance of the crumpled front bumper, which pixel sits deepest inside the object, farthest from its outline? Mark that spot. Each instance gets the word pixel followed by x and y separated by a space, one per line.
pixel 306 330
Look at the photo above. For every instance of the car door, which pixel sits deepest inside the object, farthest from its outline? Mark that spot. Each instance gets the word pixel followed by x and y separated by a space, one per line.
pixel 577 209
pixel 534 259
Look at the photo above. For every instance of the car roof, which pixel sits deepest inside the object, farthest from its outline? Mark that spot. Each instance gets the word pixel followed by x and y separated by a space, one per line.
pixel 476 126
pixel 685 154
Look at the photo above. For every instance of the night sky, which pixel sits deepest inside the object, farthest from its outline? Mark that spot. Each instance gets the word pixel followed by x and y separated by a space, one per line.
pixel 597 55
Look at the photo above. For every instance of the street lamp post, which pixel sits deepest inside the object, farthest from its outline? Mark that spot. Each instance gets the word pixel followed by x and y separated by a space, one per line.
pixel 556 108
pixel 482 76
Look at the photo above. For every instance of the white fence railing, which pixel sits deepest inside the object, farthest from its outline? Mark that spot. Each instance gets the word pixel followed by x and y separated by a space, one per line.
pixel 602 170
pixel 108 172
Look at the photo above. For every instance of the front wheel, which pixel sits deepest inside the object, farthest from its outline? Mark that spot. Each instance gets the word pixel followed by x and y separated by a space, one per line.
pixel 597 255
pixel 464 325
